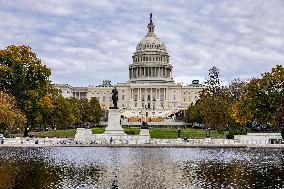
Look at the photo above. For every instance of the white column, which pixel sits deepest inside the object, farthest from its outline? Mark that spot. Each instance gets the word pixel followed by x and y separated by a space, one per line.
pixel 155 71
pixel 156 94
pixel 147 73
pixel 151 97
pixel 146 97
pixel 136 72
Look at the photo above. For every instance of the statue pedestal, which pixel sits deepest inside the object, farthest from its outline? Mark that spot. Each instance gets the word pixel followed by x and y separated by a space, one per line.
pixel 144 136
pixel 83 134
pixel 114 127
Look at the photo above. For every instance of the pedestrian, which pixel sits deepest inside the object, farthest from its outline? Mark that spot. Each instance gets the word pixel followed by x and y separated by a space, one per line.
pixel 110 140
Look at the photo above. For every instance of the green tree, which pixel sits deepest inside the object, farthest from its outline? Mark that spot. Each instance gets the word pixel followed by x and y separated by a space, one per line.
pixel 85 110
pixel 90 110
pixel 263 95
pixel 75 112
pixel 62 114
pixel 24 76
pixel 194 113
pixel 96 113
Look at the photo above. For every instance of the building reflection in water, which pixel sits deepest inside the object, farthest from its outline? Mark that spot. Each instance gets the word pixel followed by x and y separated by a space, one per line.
pixel 140 168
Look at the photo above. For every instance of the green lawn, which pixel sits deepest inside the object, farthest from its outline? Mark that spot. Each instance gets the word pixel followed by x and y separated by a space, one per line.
pixel 189 133
pixel 159 133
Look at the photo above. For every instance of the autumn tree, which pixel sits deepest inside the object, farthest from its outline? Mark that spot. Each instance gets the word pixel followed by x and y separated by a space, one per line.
pixel 214 102
pixel 280 113
pixel 10 116
pixel 236 89
pixel 24 76
pixel 263 96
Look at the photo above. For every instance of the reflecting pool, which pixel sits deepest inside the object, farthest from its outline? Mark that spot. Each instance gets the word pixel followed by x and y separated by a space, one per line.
pixel 91 167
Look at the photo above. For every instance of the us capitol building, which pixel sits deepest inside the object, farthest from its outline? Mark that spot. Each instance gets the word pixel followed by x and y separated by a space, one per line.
pixel 150 86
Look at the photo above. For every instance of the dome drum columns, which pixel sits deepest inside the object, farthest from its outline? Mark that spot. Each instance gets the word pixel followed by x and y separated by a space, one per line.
pixel 146 72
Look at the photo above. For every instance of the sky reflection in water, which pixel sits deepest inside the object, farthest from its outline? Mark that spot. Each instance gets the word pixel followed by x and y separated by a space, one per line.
pixel 140 168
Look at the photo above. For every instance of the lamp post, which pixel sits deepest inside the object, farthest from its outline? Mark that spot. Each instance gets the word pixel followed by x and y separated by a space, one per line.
pixel 185 132
pixel 28 129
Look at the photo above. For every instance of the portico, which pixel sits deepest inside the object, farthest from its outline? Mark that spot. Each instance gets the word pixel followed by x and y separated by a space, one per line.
pixel 147 96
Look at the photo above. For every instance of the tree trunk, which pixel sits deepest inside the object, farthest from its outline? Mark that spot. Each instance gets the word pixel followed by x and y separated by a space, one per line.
pixel 26 132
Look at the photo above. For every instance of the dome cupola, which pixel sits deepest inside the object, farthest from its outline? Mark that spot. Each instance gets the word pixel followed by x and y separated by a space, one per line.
pixel 151 59
pixel 151 41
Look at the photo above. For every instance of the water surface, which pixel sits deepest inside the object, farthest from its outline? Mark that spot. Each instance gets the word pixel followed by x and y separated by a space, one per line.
pixel 90 167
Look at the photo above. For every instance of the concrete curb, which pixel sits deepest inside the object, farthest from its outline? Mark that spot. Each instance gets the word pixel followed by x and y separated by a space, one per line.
pixel 149 146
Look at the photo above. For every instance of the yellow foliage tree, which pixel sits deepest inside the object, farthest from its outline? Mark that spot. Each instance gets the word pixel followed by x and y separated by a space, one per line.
pixel 239 114
pixel 10 116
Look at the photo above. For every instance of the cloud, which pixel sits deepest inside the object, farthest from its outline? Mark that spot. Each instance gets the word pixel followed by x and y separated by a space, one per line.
pixel 84 41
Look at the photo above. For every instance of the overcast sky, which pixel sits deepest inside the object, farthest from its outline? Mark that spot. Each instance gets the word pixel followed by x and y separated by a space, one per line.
pixel 85 42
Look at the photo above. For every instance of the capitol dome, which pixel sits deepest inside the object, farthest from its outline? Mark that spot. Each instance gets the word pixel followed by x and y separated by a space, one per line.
pixel 150 60
pixel 151 42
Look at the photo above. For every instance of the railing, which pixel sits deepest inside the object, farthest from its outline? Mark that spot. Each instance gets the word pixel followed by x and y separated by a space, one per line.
pixel 130 140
